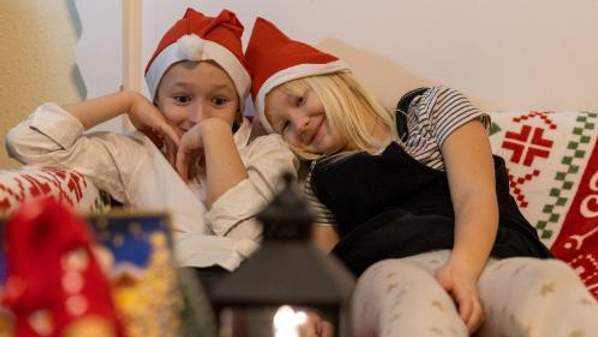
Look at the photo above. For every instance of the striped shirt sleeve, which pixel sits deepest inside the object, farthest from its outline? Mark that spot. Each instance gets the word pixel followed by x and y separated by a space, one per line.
pixel 322 215
pixel 446 110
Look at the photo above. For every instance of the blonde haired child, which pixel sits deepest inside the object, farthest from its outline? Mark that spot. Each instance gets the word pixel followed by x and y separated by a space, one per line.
pixel 421 209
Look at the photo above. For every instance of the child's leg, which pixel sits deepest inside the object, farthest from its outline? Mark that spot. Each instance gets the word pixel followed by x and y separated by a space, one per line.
pixel 400 297
pixel 535 298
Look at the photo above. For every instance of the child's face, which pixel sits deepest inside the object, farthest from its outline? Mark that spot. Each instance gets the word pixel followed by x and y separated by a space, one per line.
pixel 191 92
pixel 302 121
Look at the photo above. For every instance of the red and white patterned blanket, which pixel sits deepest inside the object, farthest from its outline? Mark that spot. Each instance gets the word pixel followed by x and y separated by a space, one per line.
pixel 552 160
pixel 67 186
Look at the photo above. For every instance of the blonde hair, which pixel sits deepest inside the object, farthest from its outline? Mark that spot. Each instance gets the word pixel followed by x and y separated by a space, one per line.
pixel 349 108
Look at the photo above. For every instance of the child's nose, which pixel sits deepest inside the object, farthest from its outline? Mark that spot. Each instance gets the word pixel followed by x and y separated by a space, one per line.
pixel 196 114
pixel 302 124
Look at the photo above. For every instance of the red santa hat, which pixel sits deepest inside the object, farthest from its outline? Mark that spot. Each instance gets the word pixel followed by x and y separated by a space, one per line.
pixel 273 59
pixel 197 37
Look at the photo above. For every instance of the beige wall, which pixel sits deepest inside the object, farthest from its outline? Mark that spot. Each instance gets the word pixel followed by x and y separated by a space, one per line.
pixel 37 40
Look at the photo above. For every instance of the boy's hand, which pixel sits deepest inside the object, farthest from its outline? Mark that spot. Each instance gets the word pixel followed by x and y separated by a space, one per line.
pixel 170 148
pixel 190 150
pixel 461 284
pixel 147 118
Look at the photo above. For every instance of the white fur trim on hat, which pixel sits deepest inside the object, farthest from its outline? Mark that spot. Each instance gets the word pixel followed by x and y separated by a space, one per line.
pixel 289 74
pixel 191 47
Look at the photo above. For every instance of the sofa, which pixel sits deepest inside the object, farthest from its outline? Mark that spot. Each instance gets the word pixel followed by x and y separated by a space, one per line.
pixel 552 159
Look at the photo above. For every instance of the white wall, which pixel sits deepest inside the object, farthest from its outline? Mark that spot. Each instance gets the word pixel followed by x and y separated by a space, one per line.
pixel 506 55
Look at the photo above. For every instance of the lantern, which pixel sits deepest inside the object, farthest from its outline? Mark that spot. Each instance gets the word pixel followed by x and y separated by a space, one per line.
pixel 286 280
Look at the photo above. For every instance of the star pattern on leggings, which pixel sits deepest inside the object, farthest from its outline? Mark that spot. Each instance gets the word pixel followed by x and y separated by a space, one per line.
pixel 439 305
pixel 546 289
pixel 585 301
pixel 498 266
pixel 454 332
pixel 400 294
pixel 437 331
pixel 518 270
pixel 528 330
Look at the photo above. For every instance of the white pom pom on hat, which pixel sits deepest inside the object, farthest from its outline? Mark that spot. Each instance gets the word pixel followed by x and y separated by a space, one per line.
pixel 191 47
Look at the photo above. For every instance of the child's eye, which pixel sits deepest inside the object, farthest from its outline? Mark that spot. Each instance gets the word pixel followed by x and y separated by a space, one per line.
pixel 299 100
pixel 182 99
pixel 219 101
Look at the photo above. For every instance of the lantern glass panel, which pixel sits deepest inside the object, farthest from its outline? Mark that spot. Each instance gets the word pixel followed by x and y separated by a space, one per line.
pixel 272 320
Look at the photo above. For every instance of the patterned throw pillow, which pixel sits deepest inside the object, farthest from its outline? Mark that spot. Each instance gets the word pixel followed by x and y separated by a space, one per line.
pixel 552 160
pixel 64 185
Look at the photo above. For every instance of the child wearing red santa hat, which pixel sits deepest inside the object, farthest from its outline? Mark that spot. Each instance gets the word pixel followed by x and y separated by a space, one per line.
pixel 420 207
pixel 207 169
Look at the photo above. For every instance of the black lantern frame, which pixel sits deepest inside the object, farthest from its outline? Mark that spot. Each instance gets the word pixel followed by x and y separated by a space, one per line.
pixel 288 270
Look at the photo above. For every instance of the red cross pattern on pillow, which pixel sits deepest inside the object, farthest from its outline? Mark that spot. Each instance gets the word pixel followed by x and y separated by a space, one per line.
pixel 529 142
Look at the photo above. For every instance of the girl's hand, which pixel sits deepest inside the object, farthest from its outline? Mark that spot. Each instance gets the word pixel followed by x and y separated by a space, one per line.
pixel 148 119
pixel 190 150
pixel 460 282
pixel 315 326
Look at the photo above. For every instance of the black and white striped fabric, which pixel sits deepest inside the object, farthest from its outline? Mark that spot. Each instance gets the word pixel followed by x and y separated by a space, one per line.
pixel 431 118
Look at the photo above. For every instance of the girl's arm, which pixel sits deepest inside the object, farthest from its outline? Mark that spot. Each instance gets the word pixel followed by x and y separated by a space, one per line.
pixel 470 169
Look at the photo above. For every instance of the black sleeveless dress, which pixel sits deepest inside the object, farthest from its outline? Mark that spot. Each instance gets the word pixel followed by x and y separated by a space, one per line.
pixel 392 206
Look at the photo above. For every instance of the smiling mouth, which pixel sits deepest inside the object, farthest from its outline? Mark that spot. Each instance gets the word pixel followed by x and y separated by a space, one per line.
pixel 317 131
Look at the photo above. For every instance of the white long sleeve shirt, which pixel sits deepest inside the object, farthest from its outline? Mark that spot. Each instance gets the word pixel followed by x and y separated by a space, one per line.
pixel 134 171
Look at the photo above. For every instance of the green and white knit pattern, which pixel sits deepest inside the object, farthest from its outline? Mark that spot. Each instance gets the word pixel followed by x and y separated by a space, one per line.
pixel 573 164
pixel 549 193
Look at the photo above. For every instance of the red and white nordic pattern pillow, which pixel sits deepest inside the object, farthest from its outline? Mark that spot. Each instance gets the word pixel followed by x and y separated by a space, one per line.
pixel 65 185
pixel 552 159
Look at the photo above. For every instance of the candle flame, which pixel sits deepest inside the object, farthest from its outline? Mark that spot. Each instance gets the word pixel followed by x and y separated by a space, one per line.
pixel 286 321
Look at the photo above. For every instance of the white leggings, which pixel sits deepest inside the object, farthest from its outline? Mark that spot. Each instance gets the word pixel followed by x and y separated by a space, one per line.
pixel 521 297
